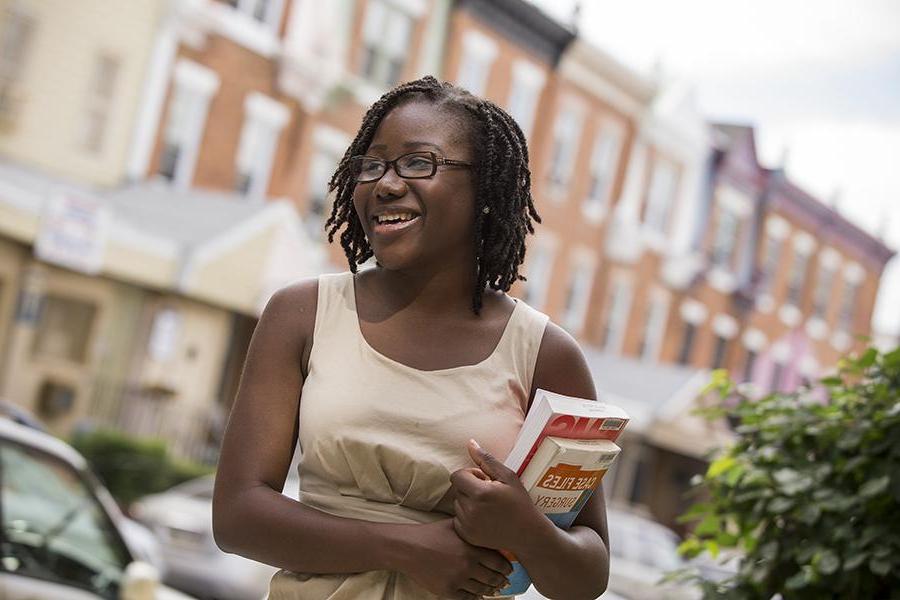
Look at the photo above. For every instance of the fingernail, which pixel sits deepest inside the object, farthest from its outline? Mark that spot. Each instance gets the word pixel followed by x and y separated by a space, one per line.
pixel 474 443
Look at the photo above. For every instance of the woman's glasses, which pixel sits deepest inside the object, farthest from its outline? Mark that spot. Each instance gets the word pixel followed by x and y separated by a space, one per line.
pixel 415 165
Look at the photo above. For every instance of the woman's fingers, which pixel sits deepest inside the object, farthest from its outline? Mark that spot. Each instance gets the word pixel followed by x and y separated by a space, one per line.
pixel 496 562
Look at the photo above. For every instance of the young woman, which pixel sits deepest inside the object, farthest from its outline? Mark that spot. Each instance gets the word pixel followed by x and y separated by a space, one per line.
pixel 404 381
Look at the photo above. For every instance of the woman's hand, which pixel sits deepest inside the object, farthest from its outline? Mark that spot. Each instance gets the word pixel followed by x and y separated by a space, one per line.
pixel 493 510
pixel 446 565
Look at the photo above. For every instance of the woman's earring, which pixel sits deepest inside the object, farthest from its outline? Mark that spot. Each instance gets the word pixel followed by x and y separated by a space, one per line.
pixel 486 210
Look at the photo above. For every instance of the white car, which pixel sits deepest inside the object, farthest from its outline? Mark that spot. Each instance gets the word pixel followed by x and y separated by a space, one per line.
pixel 61 534
pixel 641 553
pixel 181 518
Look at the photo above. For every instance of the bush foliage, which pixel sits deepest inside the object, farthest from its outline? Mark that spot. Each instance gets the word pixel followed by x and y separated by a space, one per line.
pixel 132 467
pixel 809 494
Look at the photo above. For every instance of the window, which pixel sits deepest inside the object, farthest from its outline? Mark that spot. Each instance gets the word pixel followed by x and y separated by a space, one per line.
pixel 777 376
pixel 797 277
pixel 539 270
pixel 654 327
pixel 267 12
pixel 524 91
pixel 194 87
pixel 660 196
pixel 770 262
pixel 726 239
pixel 263 122
pixel 48 511
pixel 64 329
pixel 618 301
pixel 99 102
pixel 687 343
pixel 387 34
pixel 16 34
pixel 566 134
pixel 323 165
pixel 478 54
pixel 846 314
pixel 719 352
pixel 823 290
pixel 749 365
pixel 578 294
pixel 604 160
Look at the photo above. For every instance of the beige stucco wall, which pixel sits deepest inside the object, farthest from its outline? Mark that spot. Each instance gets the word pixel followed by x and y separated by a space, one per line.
pixel 57 77
pixel 233 277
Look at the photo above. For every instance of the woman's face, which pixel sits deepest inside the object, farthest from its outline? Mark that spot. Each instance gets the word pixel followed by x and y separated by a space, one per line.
pixel 438 212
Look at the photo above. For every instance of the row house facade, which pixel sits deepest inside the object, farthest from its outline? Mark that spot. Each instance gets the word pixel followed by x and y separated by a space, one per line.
pixel 785 286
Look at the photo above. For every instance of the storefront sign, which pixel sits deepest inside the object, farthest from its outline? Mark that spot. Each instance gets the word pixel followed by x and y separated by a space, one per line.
pixel 73 232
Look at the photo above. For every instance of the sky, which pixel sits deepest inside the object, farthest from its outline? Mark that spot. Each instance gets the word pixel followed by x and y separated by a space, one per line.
pixel 819 80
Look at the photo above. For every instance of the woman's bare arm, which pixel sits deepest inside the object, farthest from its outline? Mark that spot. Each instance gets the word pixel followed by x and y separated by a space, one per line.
pixel 494 510
pixel 252 518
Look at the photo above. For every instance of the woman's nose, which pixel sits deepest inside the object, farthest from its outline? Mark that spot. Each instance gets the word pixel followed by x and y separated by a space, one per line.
pixel 390 185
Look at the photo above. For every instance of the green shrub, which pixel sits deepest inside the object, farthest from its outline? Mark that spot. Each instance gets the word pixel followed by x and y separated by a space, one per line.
pixel 132 467
pixel 809 494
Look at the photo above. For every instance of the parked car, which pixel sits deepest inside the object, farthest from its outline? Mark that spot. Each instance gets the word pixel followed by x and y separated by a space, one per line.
pixel 181 518
pixel 642 551
pixel 60 530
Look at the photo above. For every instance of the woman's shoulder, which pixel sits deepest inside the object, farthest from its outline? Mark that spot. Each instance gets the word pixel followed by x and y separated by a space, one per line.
pixel 294 306
pixel 561 366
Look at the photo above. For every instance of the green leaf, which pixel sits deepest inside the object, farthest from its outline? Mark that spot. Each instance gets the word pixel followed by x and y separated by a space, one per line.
pixel 708 526
pixel 855 560
pixel 780 505
pixel 810 514
pixel 720 465
pixel 874 487
pixel 868 358
pixel 880 566
pixel 690 547
pixel 827 562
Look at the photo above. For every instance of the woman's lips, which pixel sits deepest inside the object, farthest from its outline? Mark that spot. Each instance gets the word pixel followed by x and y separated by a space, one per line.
pixel 383 229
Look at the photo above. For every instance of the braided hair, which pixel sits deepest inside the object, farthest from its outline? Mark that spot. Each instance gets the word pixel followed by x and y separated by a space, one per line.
pixel 504 209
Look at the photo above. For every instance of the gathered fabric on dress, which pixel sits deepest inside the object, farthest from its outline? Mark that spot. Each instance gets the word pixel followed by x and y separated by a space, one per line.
pixel 379 439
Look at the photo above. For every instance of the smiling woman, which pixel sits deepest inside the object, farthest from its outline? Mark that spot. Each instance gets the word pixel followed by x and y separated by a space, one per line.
pixel 398 368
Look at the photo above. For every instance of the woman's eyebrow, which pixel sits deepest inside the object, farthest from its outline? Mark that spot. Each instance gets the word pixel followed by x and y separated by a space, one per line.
pixel 412 144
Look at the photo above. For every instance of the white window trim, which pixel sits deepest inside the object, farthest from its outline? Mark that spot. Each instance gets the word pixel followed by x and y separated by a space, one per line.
pixel 266 113
pixel 530 79
pixel 330 141
pixel 854 273
pixel 781 353
pixel 804 243
pixel 537 289
pixel 569 107
pixel 754 340
pixel 617 335
pixel 816 328
pixel 202 83
pixel 693 312
pixel 582 260
pixel 725 326
pixel 654 238
pixel 790 315
pixel 593 211
pixel 653 339
pixel 478 55
pixel 243 29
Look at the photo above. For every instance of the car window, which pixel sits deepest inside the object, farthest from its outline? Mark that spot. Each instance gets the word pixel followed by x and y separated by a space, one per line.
pixel 53 527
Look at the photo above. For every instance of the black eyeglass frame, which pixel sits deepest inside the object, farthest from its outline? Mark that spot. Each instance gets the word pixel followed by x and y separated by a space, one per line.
pixel 435 161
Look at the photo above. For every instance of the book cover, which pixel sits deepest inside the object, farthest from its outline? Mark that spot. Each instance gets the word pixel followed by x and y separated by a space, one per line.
pixel 556 425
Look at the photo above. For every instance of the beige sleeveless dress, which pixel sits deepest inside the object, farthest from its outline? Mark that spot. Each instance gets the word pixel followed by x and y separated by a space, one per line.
pixel 380 439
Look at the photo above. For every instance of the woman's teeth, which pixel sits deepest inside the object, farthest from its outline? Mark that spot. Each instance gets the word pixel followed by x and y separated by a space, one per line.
pixel 394 218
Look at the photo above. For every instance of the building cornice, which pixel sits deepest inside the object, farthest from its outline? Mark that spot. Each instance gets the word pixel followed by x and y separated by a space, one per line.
pixel 523 23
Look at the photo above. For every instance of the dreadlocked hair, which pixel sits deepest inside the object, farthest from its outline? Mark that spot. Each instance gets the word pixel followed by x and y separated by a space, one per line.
pixel 504 209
